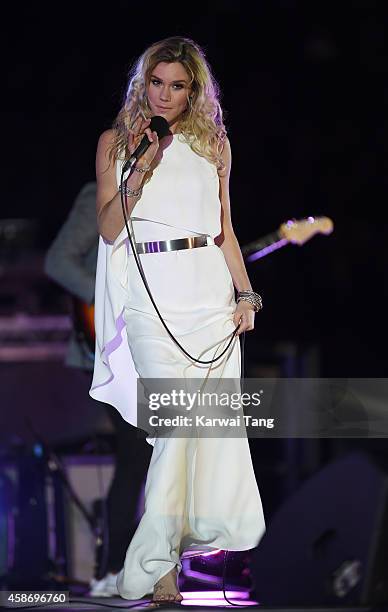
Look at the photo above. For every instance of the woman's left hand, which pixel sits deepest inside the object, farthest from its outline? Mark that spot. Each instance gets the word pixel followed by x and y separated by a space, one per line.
pixel 245 313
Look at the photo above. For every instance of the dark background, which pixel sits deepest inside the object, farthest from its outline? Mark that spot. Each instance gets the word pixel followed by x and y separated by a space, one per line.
pixel 304 88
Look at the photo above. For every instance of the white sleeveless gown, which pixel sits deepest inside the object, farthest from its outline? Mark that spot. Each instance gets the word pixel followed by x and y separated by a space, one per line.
pixel 200 492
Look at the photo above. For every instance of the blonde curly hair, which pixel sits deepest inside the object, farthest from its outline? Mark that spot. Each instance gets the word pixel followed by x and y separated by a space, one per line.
pixel 201 123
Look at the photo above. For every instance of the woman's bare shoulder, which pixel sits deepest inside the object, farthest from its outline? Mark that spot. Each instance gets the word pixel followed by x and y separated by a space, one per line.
pixel 226 156
pixel 106 139
pixel 104 148
pixel 226 150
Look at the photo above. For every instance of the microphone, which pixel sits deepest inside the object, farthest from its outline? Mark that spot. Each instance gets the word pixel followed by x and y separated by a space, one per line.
pixel 160 126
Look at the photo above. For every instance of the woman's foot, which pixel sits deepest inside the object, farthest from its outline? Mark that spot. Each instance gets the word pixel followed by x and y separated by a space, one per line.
pixel 166 589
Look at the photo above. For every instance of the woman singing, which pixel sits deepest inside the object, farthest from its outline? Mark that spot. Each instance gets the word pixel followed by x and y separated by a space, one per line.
pixel 201 493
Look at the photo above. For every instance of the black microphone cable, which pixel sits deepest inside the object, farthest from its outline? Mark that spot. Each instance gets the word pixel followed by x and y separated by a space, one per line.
pixel 242 377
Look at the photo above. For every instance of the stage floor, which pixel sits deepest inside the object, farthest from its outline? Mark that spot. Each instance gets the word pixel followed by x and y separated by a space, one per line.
pixel 202 600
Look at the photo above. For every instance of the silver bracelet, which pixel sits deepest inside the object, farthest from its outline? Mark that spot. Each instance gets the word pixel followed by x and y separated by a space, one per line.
pixel 251 297
pixel 145 169
pixel 131 192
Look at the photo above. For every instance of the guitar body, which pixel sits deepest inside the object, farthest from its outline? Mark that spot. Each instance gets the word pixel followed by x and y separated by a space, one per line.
pixel 83 321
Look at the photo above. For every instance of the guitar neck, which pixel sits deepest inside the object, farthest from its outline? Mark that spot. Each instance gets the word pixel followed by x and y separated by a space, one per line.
pixel 263 246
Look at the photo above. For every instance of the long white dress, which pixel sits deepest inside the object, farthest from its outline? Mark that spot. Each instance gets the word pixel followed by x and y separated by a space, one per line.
pixel 200 492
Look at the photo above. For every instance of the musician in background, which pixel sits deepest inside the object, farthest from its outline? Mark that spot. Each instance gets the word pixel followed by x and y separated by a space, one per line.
pixel 71 262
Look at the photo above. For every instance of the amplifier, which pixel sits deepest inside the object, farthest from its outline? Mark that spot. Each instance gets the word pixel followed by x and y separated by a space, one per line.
pixel 89 478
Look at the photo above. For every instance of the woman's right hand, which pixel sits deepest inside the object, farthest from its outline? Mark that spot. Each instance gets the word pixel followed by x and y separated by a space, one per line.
pixel 141 127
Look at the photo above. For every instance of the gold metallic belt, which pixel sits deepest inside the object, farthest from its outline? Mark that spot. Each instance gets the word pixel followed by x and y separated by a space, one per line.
pixel 159 246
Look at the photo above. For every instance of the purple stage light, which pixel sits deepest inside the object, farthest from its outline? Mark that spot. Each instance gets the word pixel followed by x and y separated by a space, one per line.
pixel 216 598
pixel 212 552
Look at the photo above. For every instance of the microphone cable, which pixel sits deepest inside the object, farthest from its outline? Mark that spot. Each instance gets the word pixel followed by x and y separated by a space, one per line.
pixel 242 377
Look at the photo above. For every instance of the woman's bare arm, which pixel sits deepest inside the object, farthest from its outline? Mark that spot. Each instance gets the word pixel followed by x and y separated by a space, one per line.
pixel 109 211
pixel 244 315
pixel 230 246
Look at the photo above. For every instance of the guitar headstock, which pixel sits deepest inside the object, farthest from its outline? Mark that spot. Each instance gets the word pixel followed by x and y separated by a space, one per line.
pixel 298 232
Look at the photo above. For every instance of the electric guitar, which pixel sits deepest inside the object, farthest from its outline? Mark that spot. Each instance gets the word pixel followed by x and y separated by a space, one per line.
pixel 290 232
pixel 83 322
